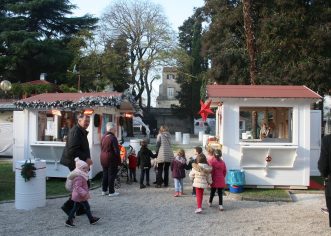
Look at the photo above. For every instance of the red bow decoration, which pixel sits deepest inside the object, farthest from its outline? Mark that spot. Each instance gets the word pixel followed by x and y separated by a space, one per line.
pixel 205 110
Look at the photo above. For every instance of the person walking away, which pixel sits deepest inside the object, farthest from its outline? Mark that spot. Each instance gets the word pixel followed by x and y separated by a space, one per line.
pixel 218 174
pixel 178 166
pixel 201 177
pixel 144 162
pixel 324 166
pixel 164 156
pixel 197 151
pixel 77 145
pixel 80 193
pixel 132 166
pixel 110 160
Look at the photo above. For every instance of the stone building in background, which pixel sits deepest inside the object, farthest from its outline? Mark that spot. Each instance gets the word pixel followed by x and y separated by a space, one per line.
pixel 168 88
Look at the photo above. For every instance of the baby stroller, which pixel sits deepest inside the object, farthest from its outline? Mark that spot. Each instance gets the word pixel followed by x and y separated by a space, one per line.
pixel 123 169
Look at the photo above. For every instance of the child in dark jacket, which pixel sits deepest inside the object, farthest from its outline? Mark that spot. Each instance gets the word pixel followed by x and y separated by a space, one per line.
pixel 178 166
pixel 144 162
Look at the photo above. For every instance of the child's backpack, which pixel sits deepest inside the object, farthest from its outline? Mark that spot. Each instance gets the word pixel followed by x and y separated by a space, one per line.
pixel 68 185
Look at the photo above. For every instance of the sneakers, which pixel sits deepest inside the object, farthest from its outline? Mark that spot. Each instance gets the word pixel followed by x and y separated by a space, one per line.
pixel 70 223
pixel 176 194
pixel 198 211
pixel 325 210
pixel 221 208
pixel 148 185
pixel 114 194
pixel 94 220
pixel 103 193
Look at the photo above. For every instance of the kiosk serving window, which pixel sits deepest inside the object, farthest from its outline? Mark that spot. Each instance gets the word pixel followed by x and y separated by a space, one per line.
pixel 265 124
pixel 54 125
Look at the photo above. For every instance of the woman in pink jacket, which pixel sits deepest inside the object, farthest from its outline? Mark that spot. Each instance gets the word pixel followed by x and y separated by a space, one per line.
pixel 218 176
pixel 77 183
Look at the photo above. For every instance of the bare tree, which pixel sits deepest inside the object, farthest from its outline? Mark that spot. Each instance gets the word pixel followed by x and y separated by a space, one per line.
pixel 250 39
pixel 148 34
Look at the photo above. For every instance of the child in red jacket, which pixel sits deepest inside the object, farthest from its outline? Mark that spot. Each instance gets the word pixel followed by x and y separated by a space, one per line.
pixel 218 176
pixel 132 166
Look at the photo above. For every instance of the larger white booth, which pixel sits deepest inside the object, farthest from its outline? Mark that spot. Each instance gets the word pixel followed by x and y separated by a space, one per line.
pixel 40 128
pixel 286 154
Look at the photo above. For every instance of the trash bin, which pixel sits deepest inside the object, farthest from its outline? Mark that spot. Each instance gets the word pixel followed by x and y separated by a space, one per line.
pixel 30 194
pixel 236 180
pixel 178 137
pixel 186 138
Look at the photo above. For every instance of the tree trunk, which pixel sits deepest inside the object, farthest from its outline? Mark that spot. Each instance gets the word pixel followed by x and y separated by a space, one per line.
pixel 250 39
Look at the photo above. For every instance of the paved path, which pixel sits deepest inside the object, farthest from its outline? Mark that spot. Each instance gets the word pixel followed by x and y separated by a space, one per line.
pixel 154 211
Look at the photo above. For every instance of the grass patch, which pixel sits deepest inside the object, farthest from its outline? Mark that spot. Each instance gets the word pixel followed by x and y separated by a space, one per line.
pixel 54 186
pixel 267 195
pixel 7 181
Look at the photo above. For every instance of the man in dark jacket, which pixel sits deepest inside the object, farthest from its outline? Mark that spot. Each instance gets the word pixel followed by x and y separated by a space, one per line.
pixel 110 160
pixel 324 166
pixel 77 145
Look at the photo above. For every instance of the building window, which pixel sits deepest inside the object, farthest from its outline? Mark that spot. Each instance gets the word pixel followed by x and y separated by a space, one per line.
pixel 170 76
pixel 265 124
pixel 170 93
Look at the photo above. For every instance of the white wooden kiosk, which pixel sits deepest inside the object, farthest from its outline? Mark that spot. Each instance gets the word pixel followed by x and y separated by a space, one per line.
pixel 284 155
pixel 41 127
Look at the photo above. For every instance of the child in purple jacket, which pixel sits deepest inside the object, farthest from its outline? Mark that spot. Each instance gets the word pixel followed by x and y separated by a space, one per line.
pixel 77 182
pixel 178 172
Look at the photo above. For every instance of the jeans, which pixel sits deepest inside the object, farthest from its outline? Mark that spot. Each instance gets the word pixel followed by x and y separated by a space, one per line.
pixel 220 195
pixel 142 175
pixel 160 167
pixel 178 185
pixel 108 178
pixel 86 206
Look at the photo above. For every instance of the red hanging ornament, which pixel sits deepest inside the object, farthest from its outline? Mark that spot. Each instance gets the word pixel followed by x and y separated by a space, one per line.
pixel 205 110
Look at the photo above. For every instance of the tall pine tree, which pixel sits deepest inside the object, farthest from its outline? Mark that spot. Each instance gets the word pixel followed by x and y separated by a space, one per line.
pixel 35 37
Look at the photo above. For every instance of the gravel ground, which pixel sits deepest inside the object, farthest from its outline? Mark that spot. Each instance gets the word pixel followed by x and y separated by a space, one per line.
pixel 153 211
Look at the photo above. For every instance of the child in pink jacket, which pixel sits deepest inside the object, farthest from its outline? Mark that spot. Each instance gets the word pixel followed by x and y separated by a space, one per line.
pixel 218 174
pixel 77 181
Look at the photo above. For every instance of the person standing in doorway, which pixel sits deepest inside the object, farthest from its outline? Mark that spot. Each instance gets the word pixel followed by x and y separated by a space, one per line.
pixel 77 145
pixel 110 160
pixel 164 156
pixel 324 166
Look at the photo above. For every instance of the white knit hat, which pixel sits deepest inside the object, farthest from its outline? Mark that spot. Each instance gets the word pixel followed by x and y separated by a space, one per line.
pixel 80 164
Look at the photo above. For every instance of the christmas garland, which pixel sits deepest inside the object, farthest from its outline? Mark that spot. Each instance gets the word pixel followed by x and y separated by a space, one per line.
pixel 28 170
pixel 83 102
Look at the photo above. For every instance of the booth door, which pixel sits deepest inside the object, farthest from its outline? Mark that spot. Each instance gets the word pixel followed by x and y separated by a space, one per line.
pixel 315 141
